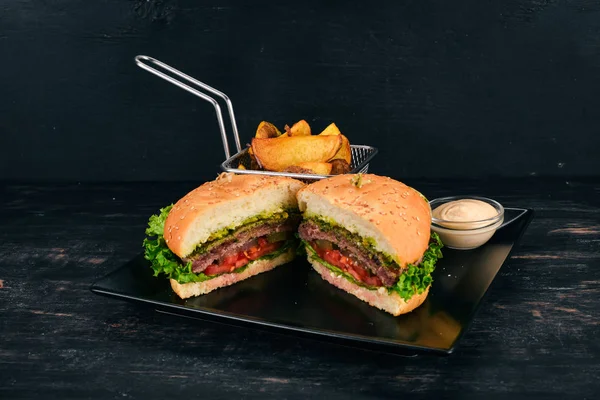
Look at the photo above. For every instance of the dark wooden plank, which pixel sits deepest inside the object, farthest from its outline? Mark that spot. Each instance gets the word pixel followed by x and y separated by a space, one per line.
pixel 534 336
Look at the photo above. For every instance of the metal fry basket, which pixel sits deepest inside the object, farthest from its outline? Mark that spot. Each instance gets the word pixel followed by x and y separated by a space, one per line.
pixel 360 154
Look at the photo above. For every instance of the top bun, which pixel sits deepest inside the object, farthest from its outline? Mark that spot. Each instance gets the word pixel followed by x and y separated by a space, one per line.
pixel 225 202
pixel 395 215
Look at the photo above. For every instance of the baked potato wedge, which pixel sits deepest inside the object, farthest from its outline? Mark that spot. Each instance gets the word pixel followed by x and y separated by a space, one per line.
pixel 339 166
pixel 297 170
pixel 344 153
pixel 300 128
pixel 276 154
pixel 331 130
pixel 267 130
pixel 319 168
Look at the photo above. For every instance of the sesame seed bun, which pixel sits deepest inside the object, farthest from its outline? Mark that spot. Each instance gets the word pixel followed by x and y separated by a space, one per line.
pixel 225 202
pixel 396 216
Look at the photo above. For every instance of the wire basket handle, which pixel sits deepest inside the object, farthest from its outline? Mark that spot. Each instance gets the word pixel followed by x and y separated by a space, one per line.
pixel 145 62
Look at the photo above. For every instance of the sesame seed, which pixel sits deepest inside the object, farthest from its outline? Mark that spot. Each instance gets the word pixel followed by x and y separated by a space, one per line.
pixel 182 217
pixel 395 222
pixel 405 207
pixel 418 219
pixel 176 227
pixel 419 233
pixel 377 222
pixel 178 237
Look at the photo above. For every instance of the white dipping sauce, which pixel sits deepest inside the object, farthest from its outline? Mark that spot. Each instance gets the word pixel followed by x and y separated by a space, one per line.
pixel 466 213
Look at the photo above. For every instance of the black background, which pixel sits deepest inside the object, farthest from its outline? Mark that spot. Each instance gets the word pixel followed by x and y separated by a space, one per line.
pixel 443 89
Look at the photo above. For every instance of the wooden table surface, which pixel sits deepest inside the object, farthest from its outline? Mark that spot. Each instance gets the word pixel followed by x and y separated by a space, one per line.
pixel 536 334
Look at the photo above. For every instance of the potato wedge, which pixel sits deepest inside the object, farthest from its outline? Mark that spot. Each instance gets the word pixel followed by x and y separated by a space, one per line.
pixel 300 128
pixel 297 170
pixel 345 152
pixel 339 166
pixel 280 153
pixel 331 130
pixel 253 163
pixel 267 130
pixel 319 168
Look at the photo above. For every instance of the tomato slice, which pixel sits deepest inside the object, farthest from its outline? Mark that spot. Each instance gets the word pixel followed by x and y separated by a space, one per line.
pixel 333 257
pixel 346 264
pixel 235 261
pixel 262 248
pixel 373 280
pixel 355 274
pixel 216 269
pixel 230 260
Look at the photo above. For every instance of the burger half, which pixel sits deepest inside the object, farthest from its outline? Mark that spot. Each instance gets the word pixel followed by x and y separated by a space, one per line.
pixel 223 232
pixel 370 236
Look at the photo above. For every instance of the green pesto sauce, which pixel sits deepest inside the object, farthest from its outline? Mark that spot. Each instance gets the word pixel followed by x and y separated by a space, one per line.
pixel 223 235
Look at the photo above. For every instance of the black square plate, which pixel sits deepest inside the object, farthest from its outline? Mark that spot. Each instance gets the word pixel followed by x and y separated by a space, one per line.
pixel 293 299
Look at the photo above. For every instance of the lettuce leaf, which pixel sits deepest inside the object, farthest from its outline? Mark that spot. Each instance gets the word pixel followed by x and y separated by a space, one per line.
pixel 164 261
pixel 416 278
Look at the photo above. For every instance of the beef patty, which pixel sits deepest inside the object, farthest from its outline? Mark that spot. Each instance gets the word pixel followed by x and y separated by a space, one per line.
pixel 240 240
pixel 310 231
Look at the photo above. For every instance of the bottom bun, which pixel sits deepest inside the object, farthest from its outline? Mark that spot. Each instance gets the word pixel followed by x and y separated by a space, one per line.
pixel 186 290
pixel 389 302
